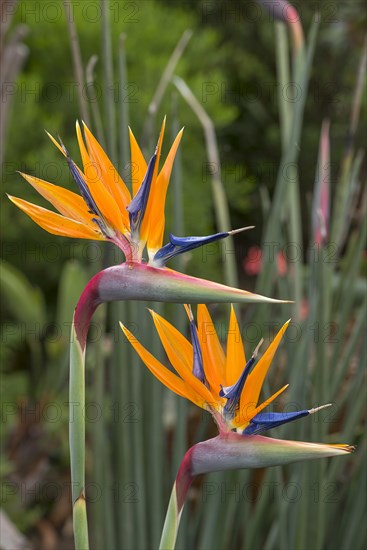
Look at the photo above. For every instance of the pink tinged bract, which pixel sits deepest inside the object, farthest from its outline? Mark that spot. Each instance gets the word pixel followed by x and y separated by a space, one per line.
pixel 321 205
pixel 137 281
pixel 235 451
pixel 232 451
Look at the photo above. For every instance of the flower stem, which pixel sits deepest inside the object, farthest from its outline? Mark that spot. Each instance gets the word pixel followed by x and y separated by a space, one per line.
pixel 176 503
pixel 77 441
pixel 80 524
pixel 171 523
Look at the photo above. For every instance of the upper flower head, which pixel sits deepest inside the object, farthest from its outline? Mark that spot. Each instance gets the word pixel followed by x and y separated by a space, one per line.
pixel 228 385
pixel 105 210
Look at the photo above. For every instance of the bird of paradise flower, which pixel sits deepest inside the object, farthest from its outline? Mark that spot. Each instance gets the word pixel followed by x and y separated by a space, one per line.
pixel 228 386
pixel 105 210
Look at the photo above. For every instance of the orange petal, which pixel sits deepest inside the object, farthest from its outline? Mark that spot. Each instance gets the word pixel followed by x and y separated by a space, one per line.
pixel 146 223
pixel 159 148
pixel 157 218
pixel 138 164
pixel 103 198
pixel 69 204
pixel 249 410
pixel 55 223
pixel 109 175
pixel 254 382
pixel 180 353
pixel 164 375
pixel 213 356
pixel 235 358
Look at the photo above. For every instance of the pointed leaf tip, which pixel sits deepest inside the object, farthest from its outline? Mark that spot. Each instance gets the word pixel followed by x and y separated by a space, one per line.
pixel 316 409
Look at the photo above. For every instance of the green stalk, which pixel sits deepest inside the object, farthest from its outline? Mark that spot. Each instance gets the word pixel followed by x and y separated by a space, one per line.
pixel 121 372
pixel 171 523
pixel 252 529
pixel 321 385
pixel 344 185
pixel 98 436
pixel 108 82
pixel 77 61
pixel 349 349
pixel 293 206
pixel 289 158
pixel 285 107
pixel 153 440
pixel 96 112
pixel 221 207
pixel 80 524
pixel 176 503
pixel 156 441
pixel 77 441
pixel 209 521
pixel 124 105
pixel 165 79
pixel 137 435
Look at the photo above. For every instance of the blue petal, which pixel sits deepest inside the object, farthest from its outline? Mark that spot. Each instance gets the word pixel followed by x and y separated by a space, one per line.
pixel 198 369
pixel 85 193
pixel 81 183
pixel 265 421
pixel 177 245
pixel 233 393
pixel 138 205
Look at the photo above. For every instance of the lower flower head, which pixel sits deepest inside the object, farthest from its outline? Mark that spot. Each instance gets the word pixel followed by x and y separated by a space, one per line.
pixel 228 385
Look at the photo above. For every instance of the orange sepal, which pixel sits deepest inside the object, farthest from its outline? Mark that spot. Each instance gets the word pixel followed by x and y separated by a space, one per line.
pixel 213 355
pixel 55 223
pixel 254 382
pixel 157 218
pixel 138 164
pixel 165 376
pixel 180 353
pixel 109 175
pixel 146 222
pixel 69 204
pixel 235 356
pixel 102 197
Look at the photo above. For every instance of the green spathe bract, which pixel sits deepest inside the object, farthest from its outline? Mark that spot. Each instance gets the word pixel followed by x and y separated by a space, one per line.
pixel 136 281
pixel 233 451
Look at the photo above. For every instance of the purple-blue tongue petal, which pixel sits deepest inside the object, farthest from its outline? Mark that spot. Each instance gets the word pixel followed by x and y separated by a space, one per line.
pixel 233 393
pixel 85 193
pixel 198 368
pixel 265 421
pixel 138 205
pixel 178 245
